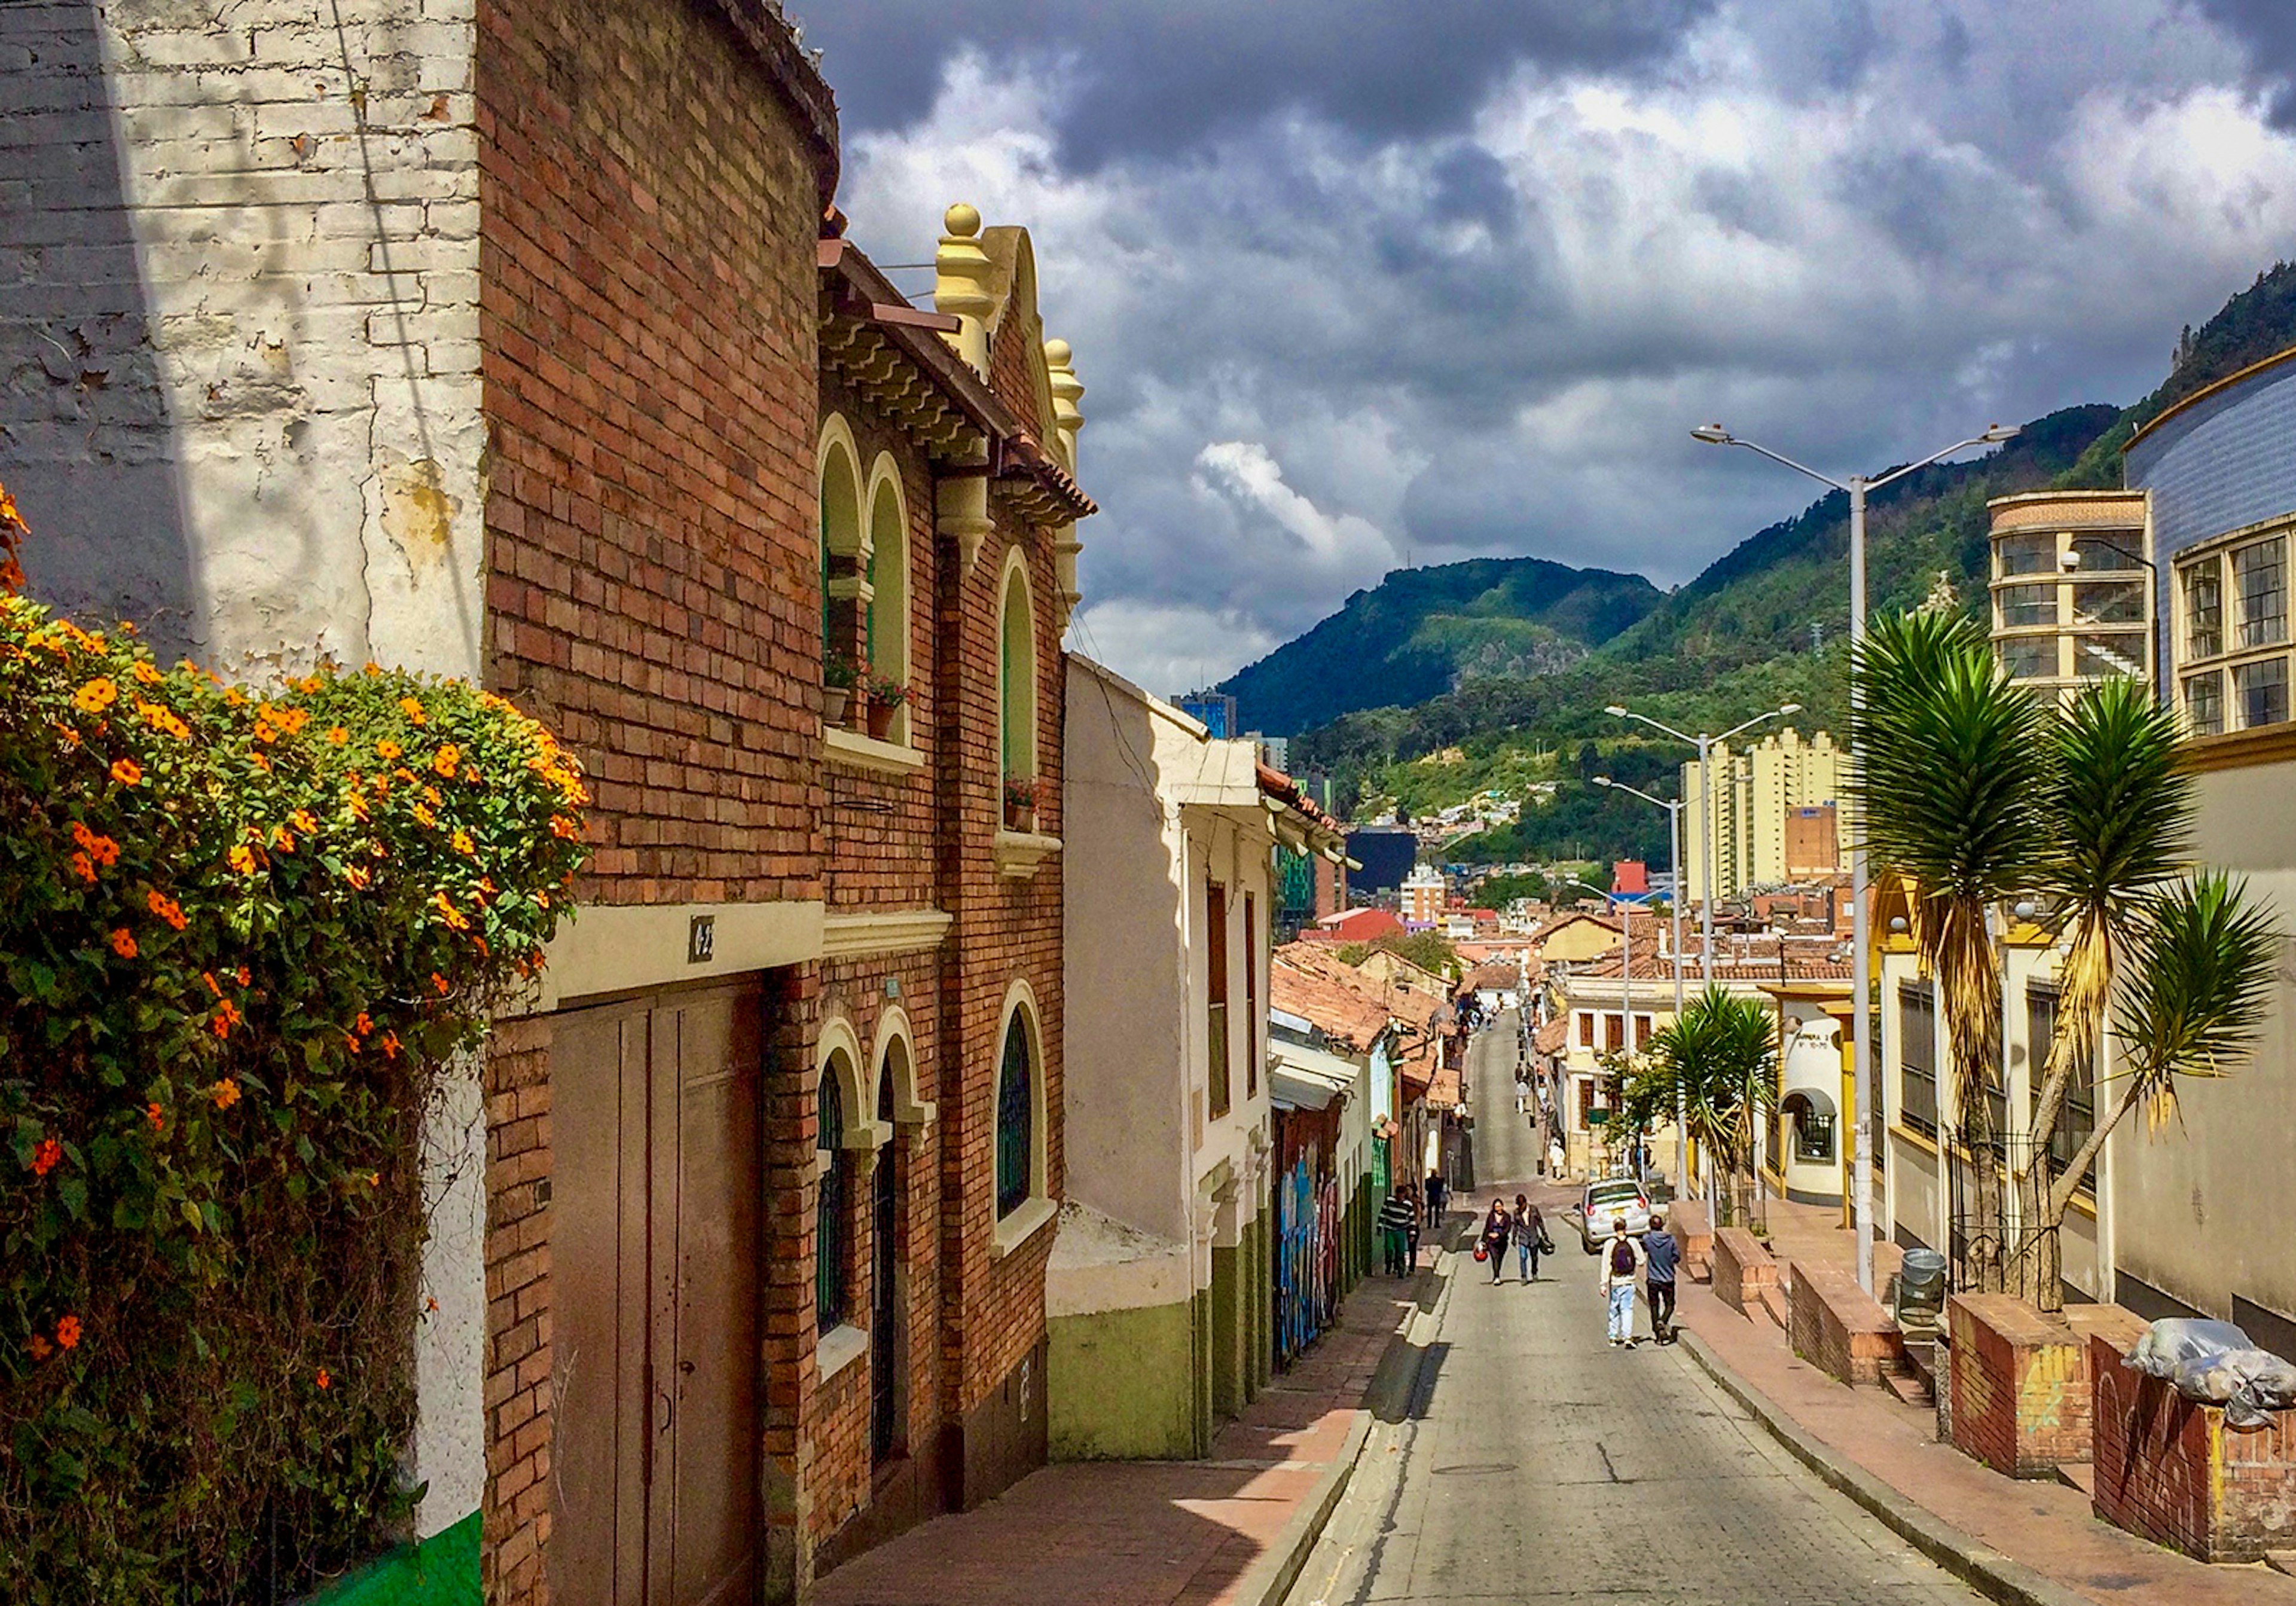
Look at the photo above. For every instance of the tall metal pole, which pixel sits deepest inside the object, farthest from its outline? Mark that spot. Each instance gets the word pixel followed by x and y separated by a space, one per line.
pixel 1705 855
pixel 1681 1101
pixel 1861 961
pixel 1627 990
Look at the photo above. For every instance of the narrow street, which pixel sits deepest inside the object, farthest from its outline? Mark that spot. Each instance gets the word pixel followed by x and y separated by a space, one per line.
pixel 1535 1463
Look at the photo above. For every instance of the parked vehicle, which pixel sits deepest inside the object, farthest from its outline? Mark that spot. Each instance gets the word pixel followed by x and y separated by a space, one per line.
pixel 1604 1202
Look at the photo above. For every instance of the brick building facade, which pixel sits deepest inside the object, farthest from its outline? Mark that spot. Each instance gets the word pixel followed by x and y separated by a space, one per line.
pixel 557 373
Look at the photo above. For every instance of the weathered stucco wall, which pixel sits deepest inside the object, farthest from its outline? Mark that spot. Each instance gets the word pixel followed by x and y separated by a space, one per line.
pixel 239 401
pixel 239 393
pixel 2196 1208
pixel 1112 1391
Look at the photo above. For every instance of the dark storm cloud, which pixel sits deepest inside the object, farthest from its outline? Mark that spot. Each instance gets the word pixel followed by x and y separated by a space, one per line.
pixel 2269 28
pixel 1158 76
pixel 1456 281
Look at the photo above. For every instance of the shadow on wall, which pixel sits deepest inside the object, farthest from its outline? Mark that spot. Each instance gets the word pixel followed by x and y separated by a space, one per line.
pixel 88 443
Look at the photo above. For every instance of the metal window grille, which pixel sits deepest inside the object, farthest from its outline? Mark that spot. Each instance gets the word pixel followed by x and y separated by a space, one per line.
pixel 832 1227
pixel 1215 978
pixel 2259 690
pixel 1015 1121
pixel 1917 1100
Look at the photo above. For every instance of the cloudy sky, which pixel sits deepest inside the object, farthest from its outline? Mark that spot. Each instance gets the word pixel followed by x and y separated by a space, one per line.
pixel 1353 286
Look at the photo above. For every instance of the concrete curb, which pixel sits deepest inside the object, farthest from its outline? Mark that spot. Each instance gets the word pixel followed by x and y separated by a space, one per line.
pixel 1393 1383
pixel 1993 1574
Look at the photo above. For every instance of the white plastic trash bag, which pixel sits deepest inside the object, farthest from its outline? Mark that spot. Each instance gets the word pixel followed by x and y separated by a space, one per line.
pixel 2215 1363
pixel 2175 1343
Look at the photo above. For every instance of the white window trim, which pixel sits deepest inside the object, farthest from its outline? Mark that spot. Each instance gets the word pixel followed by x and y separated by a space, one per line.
pixel 2230 657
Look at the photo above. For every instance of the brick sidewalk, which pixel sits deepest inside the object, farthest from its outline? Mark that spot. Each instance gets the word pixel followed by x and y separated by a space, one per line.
pixel 2045 1526
pixel 1149 1533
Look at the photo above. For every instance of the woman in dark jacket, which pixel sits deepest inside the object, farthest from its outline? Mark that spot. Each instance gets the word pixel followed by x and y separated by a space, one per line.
pixel 1498 1227
pixel 1529 1237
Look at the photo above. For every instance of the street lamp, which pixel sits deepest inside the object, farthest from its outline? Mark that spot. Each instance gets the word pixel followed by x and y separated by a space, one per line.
pixel 1705 745
pixel 1861 938
pixel 1674 869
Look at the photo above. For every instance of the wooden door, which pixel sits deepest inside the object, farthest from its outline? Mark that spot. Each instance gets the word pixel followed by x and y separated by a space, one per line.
pixel 656 1177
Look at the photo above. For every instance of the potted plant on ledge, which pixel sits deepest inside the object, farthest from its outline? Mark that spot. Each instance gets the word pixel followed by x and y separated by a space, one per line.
pixel 886 696
pixel 840 678
pixel 1020 802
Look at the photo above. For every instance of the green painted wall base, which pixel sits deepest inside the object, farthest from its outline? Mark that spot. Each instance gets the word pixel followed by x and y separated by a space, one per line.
pixel 443 1570
pixel 1123 1384
pixel 1227 1330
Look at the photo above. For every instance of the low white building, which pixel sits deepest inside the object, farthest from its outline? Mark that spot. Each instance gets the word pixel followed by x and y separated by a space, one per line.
pixel 1158 1290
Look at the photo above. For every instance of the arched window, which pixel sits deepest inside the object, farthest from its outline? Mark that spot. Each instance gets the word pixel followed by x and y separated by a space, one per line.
pixel 844 575
pixel 832 1212
pixel 885 621
pixel 1016 675
pixel 1016 1115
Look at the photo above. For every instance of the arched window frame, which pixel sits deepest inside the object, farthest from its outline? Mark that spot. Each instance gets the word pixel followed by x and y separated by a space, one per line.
pixel 884 569
pixel 893 1030
pixel 839 1169
pixel 1017 712
pixel 1015 1227
pixel 844 538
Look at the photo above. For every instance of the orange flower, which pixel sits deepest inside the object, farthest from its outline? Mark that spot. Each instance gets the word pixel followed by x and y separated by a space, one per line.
pixel 225 1093
pixel 166 908
pixel 45 1157
pixel 323 1379
pixel 209 977
pixel 541 898
pixel 337 735
pixel 358 877
pixel 145 673
pixel 127 772
pixel 563 827
pixel 101 848
pixel 246 977
pixel 388 750
pixel 441 983
pixel 390 1041
pixel 163 719
pixel 39 1347
pixel 462 844
pixel 264 732
pixel 67 733
pixel 226 1016
pixel 96 696
pixel 309 683
pixel 156 1116
pixel 301 820
pixel 242 859
pixel 413 710
pixel 123 943
pixel 363 1025
pixel 423 813
pixel 446 906
pixel 68 1333
pixel 285 841
pixel 261 761
pixel 84 866
pixel 445 760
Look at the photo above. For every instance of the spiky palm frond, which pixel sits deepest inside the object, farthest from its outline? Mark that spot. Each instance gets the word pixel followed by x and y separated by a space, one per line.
pixel 2206 958
pixel 1721 1052
pixel 1951 762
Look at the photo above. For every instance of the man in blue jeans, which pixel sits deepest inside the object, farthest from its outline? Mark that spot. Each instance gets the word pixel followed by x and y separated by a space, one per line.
pixel 1660 1253
pixel 1622 1258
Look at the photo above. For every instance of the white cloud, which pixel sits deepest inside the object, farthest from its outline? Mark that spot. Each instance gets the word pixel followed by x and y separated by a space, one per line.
pixel 1854 236
pixel 1169 649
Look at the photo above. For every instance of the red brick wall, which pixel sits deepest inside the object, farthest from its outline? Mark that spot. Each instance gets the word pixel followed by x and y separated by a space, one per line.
pixel 1743 1269
pixel 1839 1328
pixel 2170 1469
pixel 516 1523
pixel 647 314
pixel 2021 1386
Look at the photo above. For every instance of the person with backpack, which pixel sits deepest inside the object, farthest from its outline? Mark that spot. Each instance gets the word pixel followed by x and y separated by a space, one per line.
pixel 1661 1254
pixel 1497 1226
pixel 1398 1225
pixel 1436 1189
pixel 1529 1237
pixel 1622 1258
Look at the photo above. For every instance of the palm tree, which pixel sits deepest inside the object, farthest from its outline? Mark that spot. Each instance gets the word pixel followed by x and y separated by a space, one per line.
pixel 1977 794
pixel 1950 782
pixel 1722 1053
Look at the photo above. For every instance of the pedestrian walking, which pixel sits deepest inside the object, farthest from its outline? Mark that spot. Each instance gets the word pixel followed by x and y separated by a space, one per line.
pixel 1529 1237
pixel 1661 1254
pixel 1622 1258
pixel 1498 1227
pixel 1411 1233
pixel 1522 1095
pixel 1436 1189
pixel 1554 1156
pixel 1398 1226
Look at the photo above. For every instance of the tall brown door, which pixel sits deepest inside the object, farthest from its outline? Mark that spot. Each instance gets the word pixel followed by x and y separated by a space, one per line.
pixel 656 1176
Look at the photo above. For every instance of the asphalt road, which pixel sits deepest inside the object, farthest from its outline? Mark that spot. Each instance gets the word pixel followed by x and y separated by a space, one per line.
pixel 1533 1462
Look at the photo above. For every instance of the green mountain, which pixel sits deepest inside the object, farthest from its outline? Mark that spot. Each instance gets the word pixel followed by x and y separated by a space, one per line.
pixel 1764 625
pixel 1421 631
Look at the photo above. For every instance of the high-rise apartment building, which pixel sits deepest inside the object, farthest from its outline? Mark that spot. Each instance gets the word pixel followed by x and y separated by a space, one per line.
pixel 1757 793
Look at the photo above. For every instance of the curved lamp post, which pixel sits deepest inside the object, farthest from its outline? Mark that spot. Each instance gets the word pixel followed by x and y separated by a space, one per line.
pixel 1674 868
